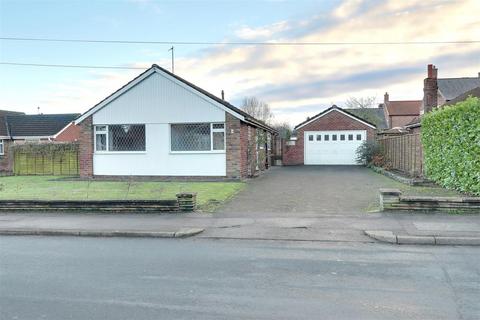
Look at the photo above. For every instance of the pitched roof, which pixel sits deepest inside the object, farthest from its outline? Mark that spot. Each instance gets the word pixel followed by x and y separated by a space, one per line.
pixel 334 108
pixel 450 88
pixel 38 125
pixel 155 68
pixel 373 115
pixel 404 108
pixel 3 123
pixel 475 92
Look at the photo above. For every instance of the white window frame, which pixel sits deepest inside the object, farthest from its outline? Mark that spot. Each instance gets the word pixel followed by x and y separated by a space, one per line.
pixel 107 151
pixel 2 149
pixel 211 138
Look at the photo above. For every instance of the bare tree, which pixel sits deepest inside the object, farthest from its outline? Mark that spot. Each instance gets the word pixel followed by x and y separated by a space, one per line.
pixel 284 129
pixel 362 102
pixel 257 109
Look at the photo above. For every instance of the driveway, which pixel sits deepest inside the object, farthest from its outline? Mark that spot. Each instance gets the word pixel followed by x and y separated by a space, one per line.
pixel 310 189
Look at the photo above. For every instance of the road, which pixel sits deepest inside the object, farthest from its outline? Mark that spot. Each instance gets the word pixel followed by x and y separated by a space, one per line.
pixel 117 278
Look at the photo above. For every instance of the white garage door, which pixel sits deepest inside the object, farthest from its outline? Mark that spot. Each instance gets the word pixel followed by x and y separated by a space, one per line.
pixel 332 147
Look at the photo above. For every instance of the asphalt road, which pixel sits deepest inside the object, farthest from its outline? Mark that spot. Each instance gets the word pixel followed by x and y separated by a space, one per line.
pixel 115 278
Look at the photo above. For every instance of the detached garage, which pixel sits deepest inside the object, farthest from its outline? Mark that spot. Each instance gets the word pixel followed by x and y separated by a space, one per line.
pixel 329 138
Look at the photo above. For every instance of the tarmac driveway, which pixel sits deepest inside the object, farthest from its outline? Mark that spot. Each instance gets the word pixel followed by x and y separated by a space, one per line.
pixel 309 189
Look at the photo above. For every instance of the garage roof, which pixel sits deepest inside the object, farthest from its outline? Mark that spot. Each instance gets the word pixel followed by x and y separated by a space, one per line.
pixel 335 108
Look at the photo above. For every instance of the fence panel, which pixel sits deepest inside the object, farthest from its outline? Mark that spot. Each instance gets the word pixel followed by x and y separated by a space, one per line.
pixel 403 153
pixel 48 162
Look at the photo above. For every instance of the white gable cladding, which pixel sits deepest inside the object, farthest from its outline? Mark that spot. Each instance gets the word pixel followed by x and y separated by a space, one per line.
pixel 157 101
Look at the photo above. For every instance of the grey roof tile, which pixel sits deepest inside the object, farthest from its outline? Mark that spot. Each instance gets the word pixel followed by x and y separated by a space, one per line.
pixel 451 88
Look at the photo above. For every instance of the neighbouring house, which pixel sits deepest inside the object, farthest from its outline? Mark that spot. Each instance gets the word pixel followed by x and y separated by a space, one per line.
pixel 18 128
pixel 159 124
pixel 400 113
pixel 331 137
pixel 442 91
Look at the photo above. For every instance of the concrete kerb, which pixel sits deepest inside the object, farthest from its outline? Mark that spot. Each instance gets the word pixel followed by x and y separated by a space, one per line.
pixel 389 237
pixel 182 233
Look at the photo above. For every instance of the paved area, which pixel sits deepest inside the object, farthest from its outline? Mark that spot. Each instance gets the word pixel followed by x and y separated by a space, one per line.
pixel 90 278
pixel 302 215
pixel 302 227
pixel 308 189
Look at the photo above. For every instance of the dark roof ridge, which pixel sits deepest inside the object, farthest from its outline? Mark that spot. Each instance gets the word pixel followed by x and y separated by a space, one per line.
pixel 458 78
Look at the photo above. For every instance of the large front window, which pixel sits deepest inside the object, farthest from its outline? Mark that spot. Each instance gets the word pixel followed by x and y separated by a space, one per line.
pixel 120 137
pixel 2 151
pixel 197 137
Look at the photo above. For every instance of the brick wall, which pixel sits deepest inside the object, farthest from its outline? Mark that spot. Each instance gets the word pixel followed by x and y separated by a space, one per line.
pixel 294 154
pixel 6 160
pixel 233 146
pixel 70 134
pixel 86 148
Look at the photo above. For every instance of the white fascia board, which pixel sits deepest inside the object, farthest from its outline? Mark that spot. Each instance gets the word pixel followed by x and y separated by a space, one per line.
pixel 114 96
pixel 4 137
pixel 339 110
pixel 143 77
pixel 64 128
pixel 199 94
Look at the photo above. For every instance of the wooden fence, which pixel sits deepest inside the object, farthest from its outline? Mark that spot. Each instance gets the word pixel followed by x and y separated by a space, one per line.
pixel 403 153
pixel 51 162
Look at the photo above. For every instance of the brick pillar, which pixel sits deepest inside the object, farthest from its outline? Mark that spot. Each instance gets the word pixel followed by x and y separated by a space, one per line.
pixel 430 90
pixel 233 146
pixel 85 141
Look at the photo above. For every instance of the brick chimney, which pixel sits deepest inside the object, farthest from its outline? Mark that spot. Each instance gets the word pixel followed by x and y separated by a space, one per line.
pixel 430 90
pixel 385 98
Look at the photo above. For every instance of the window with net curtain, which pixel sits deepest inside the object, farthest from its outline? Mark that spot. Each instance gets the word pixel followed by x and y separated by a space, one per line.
pixel 197 137
pixel 123 137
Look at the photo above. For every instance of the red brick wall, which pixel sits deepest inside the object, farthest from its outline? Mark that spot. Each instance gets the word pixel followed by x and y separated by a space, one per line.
pixel 294 155
pixel 6 160
pixel 70 134
pixel 244 150
pixel 233 147
pixel 86 148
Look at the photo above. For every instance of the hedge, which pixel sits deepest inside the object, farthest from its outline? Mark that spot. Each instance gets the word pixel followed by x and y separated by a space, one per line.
pixel 451 142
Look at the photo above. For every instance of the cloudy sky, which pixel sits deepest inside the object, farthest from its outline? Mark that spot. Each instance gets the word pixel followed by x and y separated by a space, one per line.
pixel 297 81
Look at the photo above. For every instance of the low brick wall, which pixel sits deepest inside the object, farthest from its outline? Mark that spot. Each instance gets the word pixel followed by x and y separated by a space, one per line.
pixel 185 202
pixel 392 199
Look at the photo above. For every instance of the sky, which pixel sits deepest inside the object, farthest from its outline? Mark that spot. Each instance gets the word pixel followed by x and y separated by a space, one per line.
pixel 296 81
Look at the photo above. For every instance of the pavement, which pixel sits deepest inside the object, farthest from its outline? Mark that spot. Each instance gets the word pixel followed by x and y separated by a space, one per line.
pixel 305 203
pixel 138 278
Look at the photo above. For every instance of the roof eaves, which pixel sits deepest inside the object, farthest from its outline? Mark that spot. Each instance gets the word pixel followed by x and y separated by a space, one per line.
pixel 334 107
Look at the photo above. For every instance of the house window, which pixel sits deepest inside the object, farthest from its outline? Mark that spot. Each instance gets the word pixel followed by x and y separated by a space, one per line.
pixel 120 137
pixel 197 137
pixel 319 137
pixel 218 136
pixel 359 137
pixel 350 137
pixel 334 137
pixel 101 138
pixel 310 137
pixel 342 137
pixel 2 151
pixel 326 137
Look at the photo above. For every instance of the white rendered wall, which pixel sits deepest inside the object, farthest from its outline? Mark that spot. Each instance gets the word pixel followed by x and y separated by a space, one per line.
pixel 157 102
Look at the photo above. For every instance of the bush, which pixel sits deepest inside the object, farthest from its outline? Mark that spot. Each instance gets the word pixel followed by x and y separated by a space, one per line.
pixel 370 153
pixel 451 142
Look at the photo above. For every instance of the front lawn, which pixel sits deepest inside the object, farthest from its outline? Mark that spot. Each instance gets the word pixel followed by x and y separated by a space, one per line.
pixel 209 194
